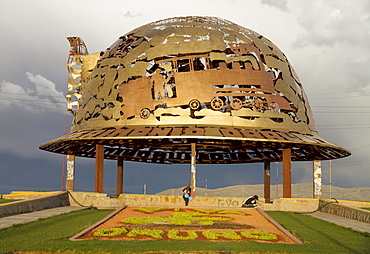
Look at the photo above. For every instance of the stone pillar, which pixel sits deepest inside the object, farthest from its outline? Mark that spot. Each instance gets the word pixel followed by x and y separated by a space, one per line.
pixel 99 168
pixel 317 179
pixel 287 173
pixel 119 186
pixel 193 169
pixel 70 183
pixel 266 182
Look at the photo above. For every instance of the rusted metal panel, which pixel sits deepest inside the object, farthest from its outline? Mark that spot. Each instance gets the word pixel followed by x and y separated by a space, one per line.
pixel 289 136
pixel 287 173
pixel 106 133
pixel 266 182
pixel 120 170
pixel 92 134
pixel 306 147
pixel 252 134
pixel 160 131
pixel 272 135
pixel 176 131
pixel 212 132
pixel 138 132
pixel 231 133
pixel 194 131
pixel 99 168
pixel 120 132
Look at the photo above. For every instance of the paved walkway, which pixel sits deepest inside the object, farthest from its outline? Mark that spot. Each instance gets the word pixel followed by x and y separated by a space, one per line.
pixel 341 221
pixel 9 221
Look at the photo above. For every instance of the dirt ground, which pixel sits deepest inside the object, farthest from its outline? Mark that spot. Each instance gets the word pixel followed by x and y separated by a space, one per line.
pixel 251 220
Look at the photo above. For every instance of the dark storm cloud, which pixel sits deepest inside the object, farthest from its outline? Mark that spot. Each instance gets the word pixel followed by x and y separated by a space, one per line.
pixel 37 95
pixel 29 173
pixel 22 132
pixel 326 41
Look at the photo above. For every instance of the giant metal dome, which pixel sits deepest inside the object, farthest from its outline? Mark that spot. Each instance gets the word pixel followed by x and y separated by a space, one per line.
pixel 184 80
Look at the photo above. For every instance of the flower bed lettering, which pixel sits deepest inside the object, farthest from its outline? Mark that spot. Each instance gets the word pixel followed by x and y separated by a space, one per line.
pixel 188 224
pixel 190 234
pixel 110 232
pixel 214 235
pixel 150 210
pixel 179 218
pixel 173 234
pixel 155 233
pixel 258 235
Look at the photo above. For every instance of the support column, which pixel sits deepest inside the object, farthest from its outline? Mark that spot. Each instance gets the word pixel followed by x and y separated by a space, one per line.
pixel 193 169
pixel 119 186
pixel 287 173
pixel 99 168
pixel 266 182
pixel 317 179
pixel 70 183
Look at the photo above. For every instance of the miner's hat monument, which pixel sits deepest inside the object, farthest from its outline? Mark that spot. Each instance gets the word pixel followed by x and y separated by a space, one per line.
pixel 197 90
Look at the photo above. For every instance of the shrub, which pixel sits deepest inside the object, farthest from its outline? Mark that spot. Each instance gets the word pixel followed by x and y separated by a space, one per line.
pixel 155 233
pixel 180 222
pixel 258 235
pixel 173 234
pixel 231 212
pixel 206 223
pixel 110 232
pixel 150 210
pixel 206 211
pixel 144 220
pixel 179 218
pixel 214 235
pixel 218 211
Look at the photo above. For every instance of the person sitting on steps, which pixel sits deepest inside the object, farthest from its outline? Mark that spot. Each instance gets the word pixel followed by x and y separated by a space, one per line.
pixel 250 201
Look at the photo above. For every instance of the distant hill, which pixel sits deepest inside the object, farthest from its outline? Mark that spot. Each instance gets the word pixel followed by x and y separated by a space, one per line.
pixel 299 190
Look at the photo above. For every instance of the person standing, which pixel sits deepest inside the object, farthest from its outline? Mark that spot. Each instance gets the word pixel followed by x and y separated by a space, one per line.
pixel 186 193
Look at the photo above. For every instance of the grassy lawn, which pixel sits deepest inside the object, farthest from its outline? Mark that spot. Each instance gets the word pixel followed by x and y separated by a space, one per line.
pixel 3 200
pixel 51 235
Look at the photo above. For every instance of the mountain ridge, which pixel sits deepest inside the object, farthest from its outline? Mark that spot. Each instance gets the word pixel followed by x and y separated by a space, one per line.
pixel 299 190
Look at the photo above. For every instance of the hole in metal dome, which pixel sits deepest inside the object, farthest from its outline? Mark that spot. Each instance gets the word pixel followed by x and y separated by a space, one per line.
pixel 277 120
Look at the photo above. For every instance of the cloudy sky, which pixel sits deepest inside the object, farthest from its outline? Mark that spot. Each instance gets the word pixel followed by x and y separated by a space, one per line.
pixel 327 42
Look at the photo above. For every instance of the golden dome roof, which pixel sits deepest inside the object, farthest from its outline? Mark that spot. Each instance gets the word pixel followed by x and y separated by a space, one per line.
pixel 185 80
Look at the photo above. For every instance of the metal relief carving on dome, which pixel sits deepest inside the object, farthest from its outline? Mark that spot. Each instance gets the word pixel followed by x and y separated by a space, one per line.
pixel 79 66
pixel 202 80
pixel 74 63
pixel 164 151
pixel 188 73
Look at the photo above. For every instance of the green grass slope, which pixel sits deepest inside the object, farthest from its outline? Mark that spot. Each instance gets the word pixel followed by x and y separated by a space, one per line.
pixel 51 235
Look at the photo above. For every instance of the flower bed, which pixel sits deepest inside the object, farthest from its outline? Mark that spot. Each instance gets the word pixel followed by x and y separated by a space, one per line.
pixel 191 235
pixel 188 224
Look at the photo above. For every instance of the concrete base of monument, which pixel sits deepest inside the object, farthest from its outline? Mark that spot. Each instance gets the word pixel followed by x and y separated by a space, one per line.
pixel 102 200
